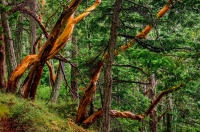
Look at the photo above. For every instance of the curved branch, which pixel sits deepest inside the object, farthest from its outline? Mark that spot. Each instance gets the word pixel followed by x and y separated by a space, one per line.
pixel 60 43
pixel 86 98
pixel 19 71
pixel 145 32
pixel 114 113
pixel 24 10
pixel 34 46
pixel 157 100
pixel 52 81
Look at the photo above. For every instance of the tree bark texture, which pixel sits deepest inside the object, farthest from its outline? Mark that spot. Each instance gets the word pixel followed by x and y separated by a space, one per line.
pixel 32 26
pixel 108 69
pixel 74 71
pixel 18 40
pixel 2 64
pixel 169 116
pixel 53 45
pixel 153 122
pixel 86 98
pixel 10 53
pixel 38 66
pixel 56 86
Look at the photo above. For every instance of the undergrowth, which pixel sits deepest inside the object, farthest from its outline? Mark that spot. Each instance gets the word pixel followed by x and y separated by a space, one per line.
pixel 37 116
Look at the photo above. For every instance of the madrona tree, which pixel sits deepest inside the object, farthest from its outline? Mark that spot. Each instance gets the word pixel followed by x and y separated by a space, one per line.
pixel 55 43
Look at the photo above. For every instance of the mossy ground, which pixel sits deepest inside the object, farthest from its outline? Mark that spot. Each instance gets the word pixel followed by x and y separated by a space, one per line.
pixel 35 116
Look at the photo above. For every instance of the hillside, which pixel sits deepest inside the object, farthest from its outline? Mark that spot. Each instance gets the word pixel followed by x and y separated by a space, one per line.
pixel 17 114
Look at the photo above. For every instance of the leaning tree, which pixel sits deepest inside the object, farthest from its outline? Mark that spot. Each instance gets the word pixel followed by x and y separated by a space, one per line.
pixel 56 40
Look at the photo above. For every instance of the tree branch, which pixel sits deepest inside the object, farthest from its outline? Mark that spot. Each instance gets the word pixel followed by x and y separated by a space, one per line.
pixel 131 67
pixel 123 81
pixel 24 10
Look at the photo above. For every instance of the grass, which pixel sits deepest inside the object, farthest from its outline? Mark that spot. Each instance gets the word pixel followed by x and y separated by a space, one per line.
pixel 37 116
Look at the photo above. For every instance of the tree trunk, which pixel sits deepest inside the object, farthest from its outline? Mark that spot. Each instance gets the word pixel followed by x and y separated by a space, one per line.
pixel 52 64
pixel 2 64
pixel 153 123
pixel 74 71
pixel 18 40
pixel 108 69
pixel 32 26
pixel 56 86
pixel 169 116
pixel 10 53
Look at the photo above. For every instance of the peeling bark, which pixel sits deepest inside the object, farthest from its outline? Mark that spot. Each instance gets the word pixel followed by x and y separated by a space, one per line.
pixel 86 98
pixel 19 71
pixel 52 47
pixel 145 32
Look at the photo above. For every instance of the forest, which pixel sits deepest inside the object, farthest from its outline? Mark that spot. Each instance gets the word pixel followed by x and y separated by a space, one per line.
pixel 100 66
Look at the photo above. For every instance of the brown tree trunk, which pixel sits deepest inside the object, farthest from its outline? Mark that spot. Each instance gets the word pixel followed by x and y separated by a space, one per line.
pixel 169 116
pixel 18 40
pixel 2 64
pixel 153 123
pixel 32 26
pixel 10 53
pixel 108 69
pixel 56 86
pixel 74 71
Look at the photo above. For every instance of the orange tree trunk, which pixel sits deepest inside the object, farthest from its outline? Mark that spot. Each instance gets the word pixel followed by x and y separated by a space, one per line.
pixel 82 107
pixel 53 46
pixel 128 114
pixel 37 69
pixel 86 99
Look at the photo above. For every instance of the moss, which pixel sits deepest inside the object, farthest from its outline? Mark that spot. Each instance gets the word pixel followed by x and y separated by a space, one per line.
pixel 4 110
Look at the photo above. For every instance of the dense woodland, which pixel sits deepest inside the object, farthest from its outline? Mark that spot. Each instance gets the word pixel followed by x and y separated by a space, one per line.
pixel 116 65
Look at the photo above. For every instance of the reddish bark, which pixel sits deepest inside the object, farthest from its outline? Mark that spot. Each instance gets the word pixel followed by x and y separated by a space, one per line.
pixel 35 44
pixel 128 114
pixel 114 113
pixel 52 80
pixel 86 98
pixel 90 120
pixel 145 32
pixel 2 63
pixel 157 100
pixel 19 71
pixel 48 46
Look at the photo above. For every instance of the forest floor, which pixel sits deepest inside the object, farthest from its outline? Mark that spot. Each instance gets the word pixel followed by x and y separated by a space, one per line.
pixel 19 115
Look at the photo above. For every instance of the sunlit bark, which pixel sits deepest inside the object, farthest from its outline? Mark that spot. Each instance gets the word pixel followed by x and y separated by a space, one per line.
pixel 86 98
pixel 19 71
pixel 145 32
pixel 141 35
pixel 128 114
pixel 52 47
